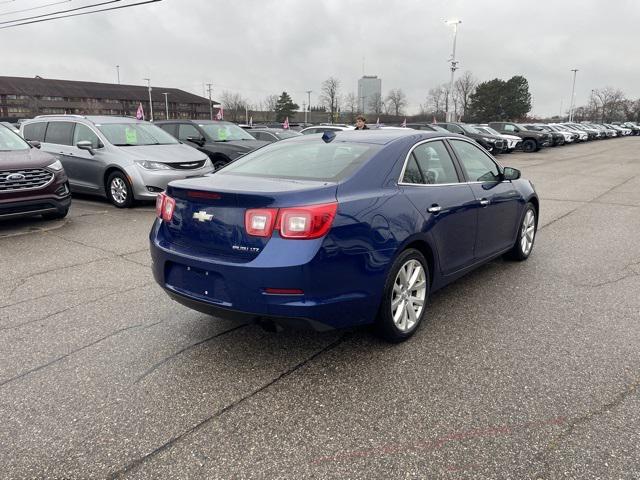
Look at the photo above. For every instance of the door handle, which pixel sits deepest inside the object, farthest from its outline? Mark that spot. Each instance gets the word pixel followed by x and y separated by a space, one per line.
pixel 484 202
pixel 434 209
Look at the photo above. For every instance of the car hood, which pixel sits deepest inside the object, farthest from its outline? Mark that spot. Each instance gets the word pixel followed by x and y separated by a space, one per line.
pixel 510 137
pixel 32 158
pixel 177 153
pixel 242 146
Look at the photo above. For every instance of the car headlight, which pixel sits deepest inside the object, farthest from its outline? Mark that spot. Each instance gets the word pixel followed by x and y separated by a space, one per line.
pixel 490 140
pixel 57 166
pixel 148 165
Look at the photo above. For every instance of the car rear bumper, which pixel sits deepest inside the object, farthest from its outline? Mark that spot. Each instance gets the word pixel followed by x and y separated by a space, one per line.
pixel 337 291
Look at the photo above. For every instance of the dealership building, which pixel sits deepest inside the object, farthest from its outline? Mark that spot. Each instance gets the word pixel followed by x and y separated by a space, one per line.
pixel 27 97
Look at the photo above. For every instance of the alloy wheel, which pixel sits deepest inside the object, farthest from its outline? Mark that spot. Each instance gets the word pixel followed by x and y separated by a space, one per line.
pixel 118 190
pixel 408 295
pixel 528 232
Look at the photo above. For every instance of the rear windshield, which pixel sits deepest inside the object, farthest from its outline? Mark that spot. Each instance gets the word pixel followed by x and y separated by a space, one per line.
pixel 10 141
pixel 135 134
pixel 315 160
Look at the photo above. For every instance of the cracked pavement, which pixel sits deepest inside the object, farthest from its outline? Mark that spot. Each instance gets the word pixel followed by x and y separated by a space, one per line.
pixel 524 370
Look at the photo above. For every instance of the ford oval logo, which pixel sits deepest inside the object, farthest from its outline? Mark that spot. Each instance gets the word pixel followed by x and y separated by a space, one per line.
pixel 15 177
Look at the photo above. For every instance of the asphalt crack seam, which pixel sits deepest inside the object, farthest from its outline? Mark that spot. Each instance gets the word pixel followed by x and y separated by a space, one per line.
pixel 133 465
pixel 593 200
pixel 153 368
pixel 73 352
pixel 554 444
pixel 630 272
pixel 66 309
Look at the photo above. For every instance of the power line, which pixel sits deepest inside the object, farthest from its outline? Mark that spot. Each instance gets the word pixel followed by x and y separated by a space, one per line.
pixel 59 12
pixel 80 14
pixel 34 8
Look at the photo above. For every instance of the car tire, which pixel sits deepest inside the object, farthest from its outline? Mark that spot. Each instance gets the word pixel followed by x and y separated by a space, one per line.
pixel 55 215
pixel 394 322
pixel 529 146
pixel 527 230
pixel 119 191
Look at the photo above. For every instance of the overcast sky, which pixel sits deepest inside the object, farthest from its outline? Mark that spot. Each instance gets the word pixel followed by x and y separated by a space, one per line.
pixel 262 47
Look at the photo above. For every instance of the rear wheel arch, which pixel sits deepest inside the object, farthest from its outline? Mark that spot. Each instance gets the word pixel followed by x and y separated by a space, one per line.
pixel 423 247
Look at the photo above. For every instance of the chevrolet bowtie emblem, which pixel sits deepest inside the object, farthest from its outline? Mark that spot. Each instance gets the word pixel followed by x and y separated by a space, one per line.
pixel 202 216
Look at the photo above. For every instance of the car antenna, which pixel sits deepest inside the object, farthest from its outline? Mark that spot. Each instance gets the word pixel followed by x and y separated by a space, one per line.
pixel 328 136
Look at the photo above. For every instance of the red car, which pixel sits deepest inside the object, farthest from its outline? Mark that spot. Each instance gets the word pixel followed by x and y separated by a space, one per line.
pixel 31 182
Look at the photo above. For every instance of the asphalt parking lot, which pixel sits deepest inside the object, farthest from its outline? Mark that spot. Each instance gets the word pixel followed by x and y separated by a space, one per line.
pixel 524 370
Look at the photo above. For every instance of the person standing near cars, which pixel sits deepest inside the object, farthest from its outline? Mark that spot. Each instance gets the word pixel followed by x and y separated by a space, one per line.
pixel 361 123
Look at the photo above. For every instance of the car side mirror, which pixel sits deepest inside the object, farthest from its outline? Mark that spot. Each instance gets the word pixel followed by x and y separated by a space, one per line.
pixel 34 143
pixel 197 140
pixel 86 145
pixel 511 173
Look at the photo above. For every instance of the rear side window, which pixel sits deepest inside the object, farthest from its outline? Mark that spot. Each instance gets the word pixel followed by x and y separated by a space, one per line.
pixel 59 133
pixel 170 128
pixel 83 133
pixel 35 131
pixel 304 160
pixel 435 163
pixel 479 167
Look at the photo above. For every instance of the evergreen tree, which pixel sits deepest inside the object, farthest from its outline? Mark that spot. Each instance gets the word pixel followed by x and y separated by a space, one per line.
pixel 285 107
pixel 497 100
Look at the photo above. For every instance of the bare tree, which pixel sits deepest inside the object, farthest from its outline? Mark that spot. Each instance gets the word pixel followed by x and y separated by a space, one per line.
pixel 330 96
pixel 463 88
pixel 437 100
pixel 351 104
pixel 397 100
pixel 610 102
pixel 376 104
pixel 235 106
pixel 270 106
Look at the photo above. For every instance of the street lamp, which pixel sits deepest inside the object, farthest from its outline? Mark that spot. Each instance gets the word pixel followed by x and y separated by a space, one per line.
pixel 454 67
pixel 166 103
pixel 150 101
pixel 118 70
pixel 308 106
pixel 573 89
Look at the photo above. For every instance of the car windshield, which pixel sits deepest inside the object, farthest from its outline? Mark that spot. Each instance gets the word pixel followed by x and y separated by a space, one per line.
pixel 135 134
pixel 470 129
pixel 315 160
pixel 10 141
pixel 224 132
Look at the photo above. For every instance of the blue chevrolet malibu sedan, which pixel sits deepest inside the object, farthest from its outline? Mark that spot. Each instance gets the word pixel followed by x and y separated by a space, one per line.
pixel 338 230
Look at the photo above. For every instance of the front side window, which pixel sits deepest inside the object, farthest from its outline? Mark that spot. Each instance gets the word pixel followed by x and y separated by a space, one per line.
pixel 303 160
pixel 83 133
pixel 35 131
pixel 135 134
pixel 454 129
pixel 478 166
pixel 435 163
pixel 59 133
pixel 10 141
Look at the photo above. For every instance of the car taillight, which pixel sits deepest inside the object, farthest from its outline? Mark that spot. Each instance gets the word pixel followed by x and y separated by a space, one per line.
pixel 260 221
pixel 309 222
pixel 165 206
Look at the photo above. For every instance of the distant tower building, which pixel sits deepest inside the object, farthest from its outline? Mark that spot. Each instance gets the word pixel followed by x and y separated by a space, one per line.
pixel 369 88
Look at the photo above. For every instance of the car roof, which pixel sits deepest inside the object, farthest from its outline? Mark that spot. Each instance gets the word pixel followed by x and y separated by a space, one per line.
pixel 197 122
pixel 271 130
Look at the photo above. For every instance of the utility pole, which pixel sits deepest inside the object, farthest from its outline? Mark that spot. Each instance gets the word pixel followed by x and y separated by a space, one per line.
pixel 209 86
pixel 166 104
pixel 561 100
pixel 118 70
pixel 150 101
pixel 304 108
pixel 573 89
pixel 454 67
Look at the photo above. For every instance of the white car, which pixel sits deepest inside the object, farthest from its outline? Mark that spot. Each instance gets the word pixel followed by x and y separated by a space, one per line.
pixel 513 141
pixel 568 137
pixel 582 135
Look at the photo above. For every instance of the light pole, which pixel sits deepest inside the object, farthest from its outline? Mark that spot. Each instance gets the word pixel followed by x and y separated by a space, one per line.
pixel 454 67
pixel 209 86
pixel 308 105
pixel 150 101
pixel 166 104
pixel 573 89
pixel 118 70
